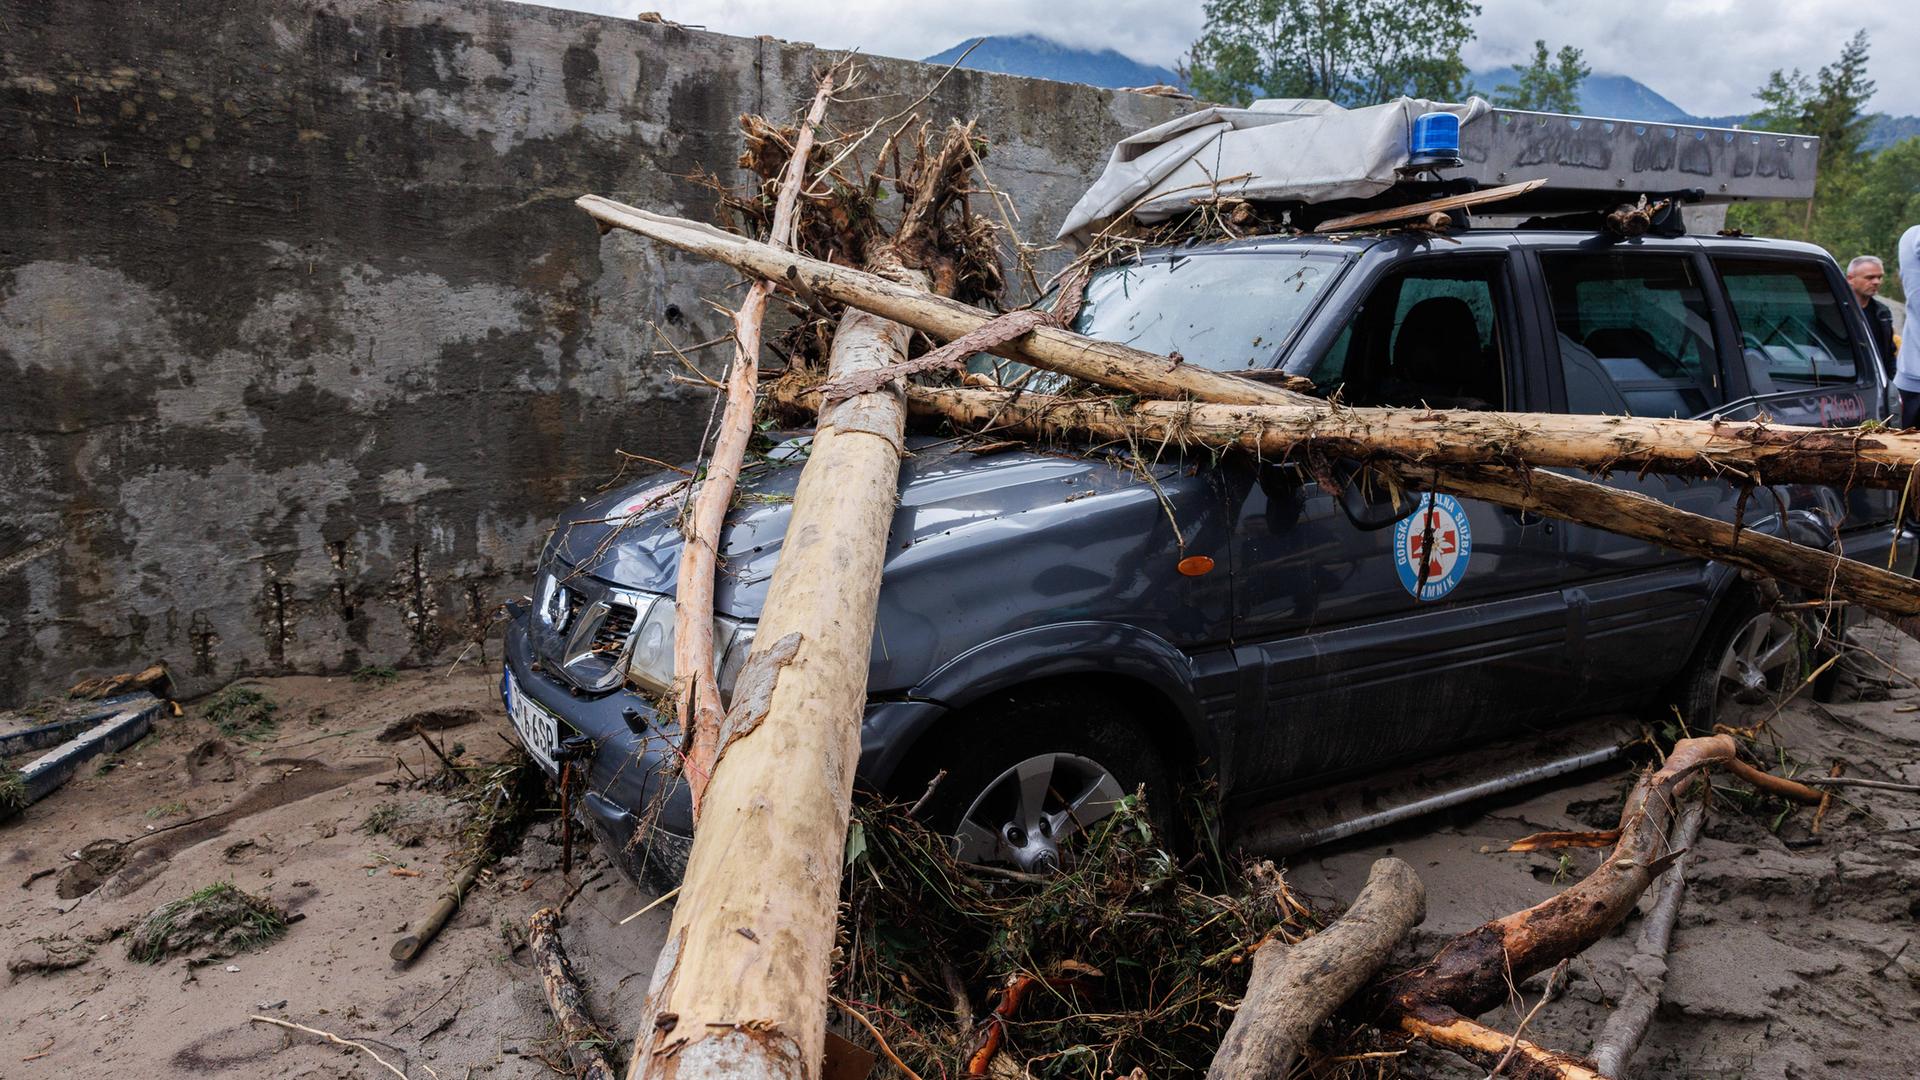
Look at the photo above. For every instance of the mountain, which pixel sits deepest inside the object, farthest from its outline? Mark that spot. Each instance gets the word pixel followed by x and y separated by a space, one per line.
pixel 1601 94
pixel 1035 56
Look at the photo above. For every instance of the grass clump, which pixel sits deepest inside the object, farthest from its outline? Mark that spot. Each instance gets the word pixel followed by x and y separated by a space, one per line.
pixel 241 712
pixel 380 820
pixel 375 673
pixel 13 793
pixel 213 922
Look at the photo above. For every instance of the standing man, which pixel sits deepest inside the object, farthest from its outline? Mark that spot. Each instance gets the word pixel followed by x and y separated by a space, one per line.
pixel 1906 378
pixel 1865 273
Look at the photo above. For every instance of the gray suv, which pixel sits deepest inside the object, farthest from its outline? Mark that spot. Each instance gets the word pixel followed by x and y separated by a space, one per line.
pixel 1059 626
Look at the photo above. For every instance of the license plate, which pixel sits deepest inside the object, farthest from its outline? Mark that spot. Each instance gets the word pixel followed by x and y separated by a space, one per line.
pixel 539 729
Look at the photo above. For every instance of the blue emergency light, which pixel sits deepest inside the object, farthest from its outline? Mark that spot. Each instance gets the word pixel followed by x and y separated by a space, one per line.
pixel 1435 142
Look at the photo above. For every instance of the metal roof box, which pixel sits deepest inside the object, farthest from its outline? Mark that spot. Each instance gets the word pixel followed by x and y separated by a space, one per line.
pixel 1316 153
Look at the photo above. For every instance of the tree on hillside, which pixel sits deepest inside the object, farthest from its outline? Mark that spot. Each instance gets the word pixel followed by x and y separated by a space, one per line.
pixel 1884 204
pixel 1832 105
pixel 1550 83
pixel 1354 52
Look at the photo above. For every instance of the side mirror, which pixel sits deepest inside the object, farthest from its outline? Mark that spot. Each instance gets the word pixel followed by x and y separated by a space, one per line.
pixel 1370 500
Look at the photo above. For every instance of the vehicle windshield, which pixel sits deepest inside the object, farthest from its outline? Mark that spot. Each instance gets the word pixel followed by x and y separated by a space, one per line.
pixel 1227 312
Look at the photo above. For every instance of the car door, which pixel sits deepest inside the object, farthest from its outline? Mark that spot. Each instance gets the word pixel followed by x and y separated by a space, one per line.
pixel 1632 332
pixel 1805 358
pixel 1365 644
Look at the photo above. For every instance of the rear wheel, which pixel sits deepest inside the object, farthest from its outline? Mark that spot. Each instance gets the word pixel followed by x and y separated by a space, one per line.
pixel 1750 662
pixel 1030 769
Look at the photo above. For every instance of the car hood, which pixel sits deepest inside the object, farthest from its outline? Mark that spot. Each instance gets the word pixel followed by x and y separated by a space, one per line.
pixel 629 537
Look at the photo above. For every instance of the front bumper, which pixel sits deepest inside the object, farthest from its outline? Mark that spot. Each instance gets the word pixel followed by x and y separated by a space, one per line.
pixel 635 800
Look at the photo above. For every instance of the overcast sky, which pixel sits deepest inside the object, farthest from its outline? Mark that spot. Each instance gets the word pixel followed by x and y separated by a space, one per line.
pixel 1706 56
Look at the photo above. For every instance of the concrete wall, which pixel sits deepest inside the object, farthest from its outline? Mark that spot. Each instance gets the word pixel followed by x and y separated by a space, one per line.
pixel 301 338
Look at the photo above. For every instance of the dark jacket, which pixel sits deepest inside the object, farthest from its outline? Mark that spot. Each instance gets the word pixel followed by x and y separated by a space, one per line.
pixel 1880 326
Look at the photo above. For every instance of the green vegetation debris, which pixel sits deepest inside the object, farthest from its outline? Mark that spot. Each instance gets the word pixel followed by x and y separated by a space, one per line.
pixel 171 809
pixel 375 673
pixel 13 793
pixel 380 819
pixel 241 712
pixel 1130 958
pixel 216 921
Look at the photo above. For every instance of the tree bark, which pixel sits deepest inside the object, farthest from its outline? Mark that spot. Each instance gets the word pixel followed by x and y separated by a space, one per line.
pixel 1763 453
pixel 1564 498
pixel 581 1036
pixel 1293 989
pixel 698 696
pixel 943 318
pixel 1741 453
pixel 1632 1015
pixel 740 988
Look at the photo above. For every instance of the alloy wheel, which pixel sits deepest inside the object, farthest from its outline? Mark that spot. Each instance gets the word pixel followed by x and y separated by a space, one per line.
pixel 1024 814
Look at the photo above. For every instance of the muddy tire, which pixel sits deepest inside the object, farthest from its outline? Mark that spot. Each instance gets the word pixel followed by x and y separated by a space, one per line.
pixel 1748 662
pixel 1027 769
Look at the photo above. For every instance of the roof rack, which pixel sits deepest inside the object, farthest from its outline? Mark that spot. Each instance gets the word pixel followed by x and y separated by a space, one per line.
pixel 1624 158
pixel 1312 161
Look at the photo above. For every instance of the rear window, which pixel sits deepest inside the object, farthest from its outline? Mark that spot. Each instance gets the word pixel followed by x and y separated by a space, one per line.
pixel 1224 312
pixel 1793 333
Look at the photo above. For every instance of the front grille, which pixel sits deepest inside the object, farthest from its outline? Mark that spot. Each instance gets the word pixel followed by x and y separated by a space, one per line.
pixel 611 637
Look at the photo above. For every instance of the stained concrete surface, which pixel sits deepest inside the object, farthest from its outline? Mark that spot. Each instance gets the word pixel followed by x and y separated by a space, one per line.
pixel 303 342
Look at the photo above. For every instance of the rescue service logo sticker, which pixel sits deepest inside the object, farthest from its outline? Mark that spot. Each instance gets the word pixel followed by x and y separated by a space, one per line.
pixel 1431 547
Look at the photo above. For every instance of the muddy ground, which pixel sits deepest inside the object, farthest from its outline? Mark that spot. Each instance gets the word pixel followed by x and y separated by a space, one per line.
pixel 1791 958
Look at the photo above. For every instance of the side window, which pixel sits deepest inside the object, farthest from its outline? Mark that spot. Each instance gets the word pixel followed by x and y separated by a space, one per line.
pixel 1634 335
pixel 1424 336
pixel 1793 334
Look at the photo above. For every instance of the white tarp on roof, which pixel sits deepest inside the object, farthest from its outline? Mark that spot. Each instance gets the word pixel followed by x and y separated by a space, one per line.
pixel 1279 149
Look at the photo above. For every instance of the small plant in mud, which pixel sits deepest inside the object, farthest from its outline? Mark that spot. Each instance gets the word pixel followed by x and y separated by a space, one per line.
pixel 375 673
pixel 216 921
pixel 241 712
pixel 171 809
pixel 380 819
pixel 13 794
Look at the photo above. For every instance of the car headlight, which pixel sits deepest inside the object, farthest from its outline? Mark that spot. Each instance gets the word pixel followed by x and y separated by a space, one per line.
pixel 651 661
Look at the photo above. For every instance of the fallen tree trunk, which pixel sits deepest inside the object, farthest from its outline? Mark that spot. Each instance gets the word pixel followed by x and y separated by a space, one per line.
pixel 698 691
pixel 1552 495
pixel 578 1033
pixel 1632 1015
pixel 1758 452
pixel 1478 970
pixel 1742 453
pixel 1293 989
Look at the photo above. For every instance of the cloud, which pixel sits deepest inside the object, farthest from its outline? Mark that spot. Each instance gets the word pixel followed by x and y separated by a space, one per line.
pixel 1706 56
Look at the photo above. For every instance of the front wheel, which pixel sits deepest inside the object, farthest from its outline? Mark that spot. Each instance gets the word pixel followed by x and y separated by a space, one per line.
pixel 1028 771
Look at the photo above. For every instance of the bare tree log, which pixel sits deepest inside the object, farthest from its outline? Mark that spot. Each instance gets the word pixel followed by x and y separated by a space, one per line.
pixel 1626 1026
pixel 1476 970
pixel 698 691
pixel 1760 452
pixel 740 988
pixel 581 1036
pixel 943 318
pixel 1293 989
pixel 1742 453
pixel 1565 498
